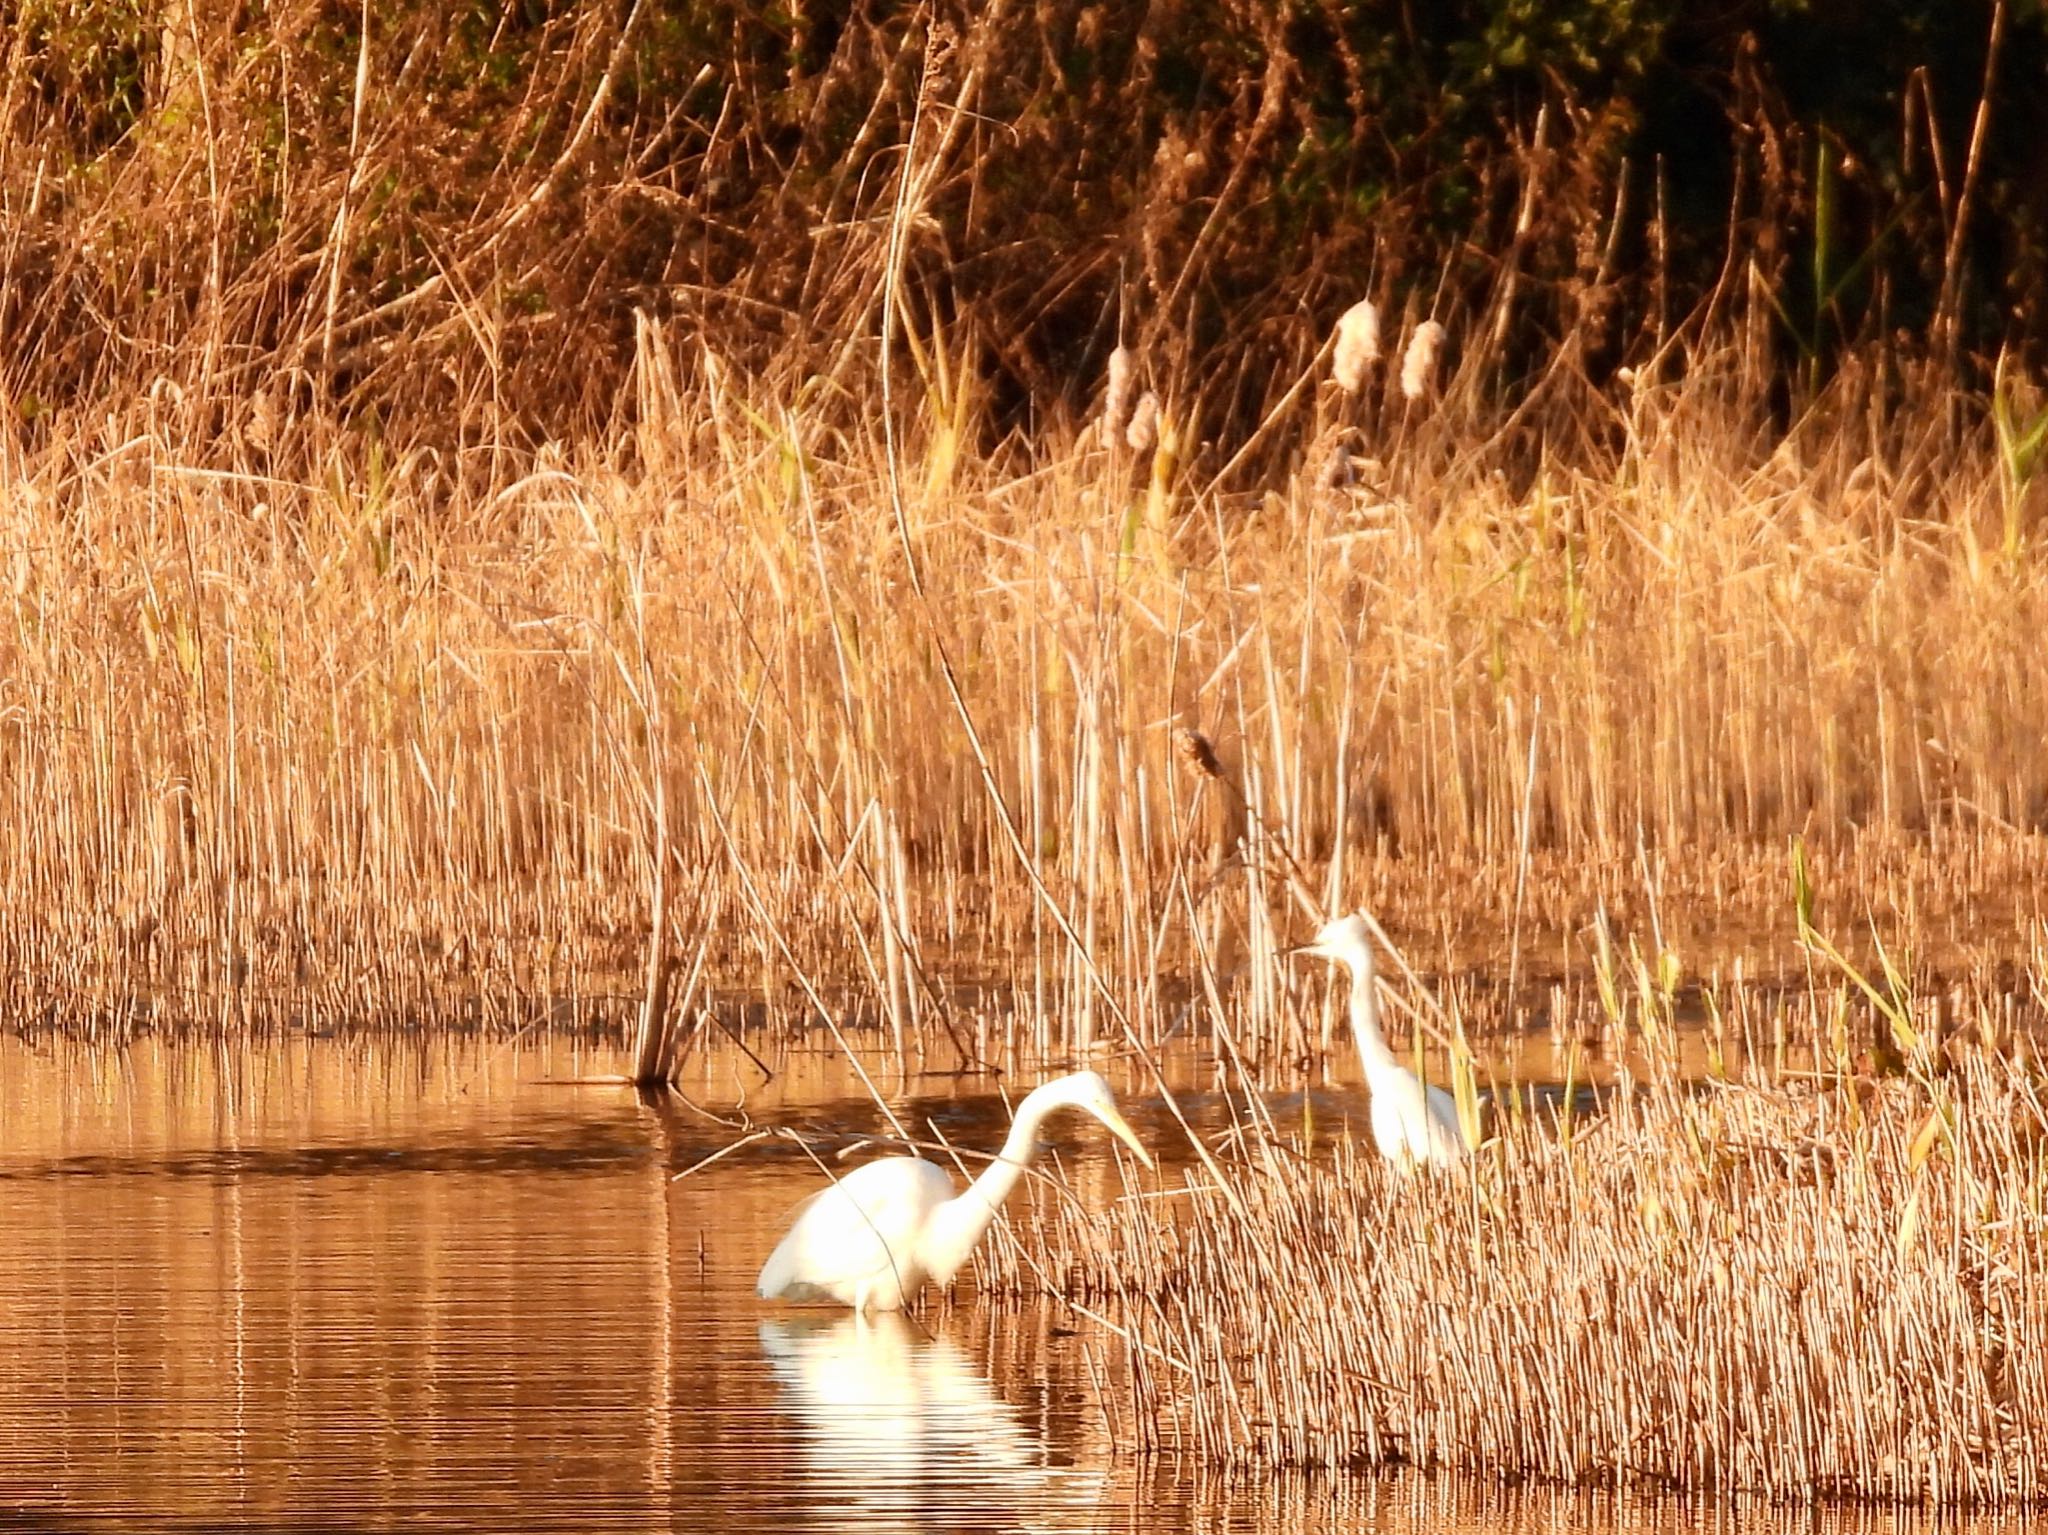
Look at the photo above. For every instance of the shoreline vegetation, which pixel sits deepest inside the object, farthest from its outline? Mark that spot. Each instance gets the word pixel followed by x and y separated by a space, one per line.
pixel 1826 1287
pixel 573 516
pixel 362 745
pixel 894 524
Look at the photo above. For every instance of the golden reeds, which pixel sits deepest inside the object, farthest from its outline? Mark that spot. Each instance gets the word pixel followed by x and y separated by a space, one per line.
pixel 1827 1287
pixel 410 738
pixel 819 657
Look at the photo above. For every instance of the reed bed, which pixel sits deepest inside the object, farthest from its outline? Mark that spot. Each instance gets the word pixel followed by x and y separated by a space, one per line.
pixel 783 560
pixel 1827 1284
pixel 355 738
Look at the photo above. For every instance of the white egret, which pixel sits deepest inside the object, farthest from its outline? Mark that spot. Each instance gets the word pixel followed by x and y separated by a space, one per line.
pixel 872 1239
pixel 1413 1123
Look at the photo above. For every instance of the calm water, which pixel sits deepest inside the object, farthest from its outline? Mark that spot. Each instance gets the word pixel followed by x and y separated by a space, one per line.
pixel 336 1287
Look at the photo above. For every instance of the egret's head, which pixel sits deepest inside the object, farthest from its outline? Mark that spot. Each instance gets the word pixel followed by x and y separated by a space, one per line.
pixel 1087 1090
pixel 1346 939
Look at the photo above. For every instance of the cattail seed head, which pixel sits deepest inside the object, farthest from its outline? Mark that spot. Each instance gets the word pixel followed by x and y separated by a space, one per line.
pixel 1144 428
pixel 1116 395
pixel 1358 345
pixel 1418 366
pixel 1193 748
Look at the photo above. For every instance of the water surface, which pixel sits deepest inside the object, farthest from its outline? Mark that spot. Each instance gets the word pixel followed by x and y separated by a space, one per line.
pixel 322 1286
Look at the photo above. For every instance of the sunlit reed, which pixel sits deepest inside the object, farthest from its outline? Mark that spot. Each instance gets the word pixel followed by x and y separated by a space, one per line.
pixel 1825 1286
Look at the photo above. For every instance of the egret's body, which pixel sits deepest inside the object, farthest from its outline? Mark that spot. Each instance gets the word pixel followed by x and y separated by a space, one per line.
pixel 1413 1124
pixel 872 1239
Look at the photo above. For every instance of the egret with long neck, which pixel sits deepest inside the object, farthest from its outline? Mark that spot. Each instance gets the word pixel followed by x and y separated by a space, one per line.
pixel 1413 1124
pixel 873 1238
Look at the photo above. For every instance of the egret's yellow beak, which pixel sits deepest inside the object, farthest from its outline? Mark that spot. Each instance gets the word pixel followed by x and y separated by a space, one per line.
pixel 1128 1136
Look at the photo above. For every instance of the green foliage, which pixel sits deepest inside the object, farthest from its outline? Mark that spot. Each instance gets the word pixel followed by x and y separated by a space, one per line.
pixel 1224 173
pixel 87 62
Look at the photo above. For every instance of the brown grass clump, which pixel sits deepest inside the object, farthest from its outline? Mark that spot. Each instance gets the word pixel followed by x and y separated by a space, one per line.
pixel 1831 1287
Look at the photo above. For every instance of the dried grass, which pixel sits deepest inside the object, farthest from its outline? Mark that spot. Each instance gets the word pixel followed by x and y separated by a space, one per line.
pixel 406 738
pixel 829 661
pixel 1828 1288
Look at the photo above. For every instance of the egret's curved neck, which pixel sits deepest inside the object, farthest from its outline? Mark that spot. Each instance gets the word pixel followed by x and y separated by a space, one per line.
pixel 961 1222
pixel 1001 1175
pixel 1365 1018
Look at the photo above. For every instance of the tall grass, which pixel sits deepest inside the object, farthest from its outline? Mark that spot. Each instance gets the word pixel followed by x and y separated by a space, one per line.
pixel 833 650
pixel 1824 1287
pixel 409 735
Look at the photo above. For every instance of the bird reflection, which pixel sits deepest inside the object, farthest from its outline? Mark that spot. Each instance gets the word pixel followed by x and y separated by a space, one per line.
pixel 902 1431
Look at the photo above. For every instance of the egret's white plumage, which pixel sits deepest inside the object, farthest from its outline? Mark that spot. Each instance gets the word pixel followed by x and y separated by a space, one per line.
pixel 1413 1124
pixel 872 1239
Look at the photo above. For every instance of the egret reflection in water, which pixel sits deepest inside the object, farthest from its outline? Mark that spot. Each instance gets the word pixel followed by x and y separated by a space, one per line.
pixel 901 1430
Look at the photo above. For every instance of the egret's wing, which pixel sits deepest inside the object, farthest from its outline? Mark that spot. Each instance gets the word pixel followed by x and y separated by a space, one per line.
pixel 1416 1125
pixel 1443 1108
pixel 1446 1135
pixel 862 1228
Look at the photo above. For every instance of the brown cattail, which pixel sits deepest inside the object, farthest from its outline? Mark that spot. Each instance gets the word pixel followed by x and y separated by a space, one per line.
pixel 1116 395
pixel 1194 749
pixel 1144 427
pixel 1418 367
pixel 1358 345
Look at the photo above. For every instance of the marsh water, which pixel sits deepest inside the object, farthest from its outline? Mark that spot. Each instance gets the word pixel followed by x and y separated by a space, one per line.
pixel 326 1285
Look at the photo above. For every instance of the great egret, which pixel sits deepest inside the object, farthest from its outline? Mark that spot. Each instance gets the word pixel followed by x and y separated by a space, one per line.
pixel 1413 1124
pixel 872 1239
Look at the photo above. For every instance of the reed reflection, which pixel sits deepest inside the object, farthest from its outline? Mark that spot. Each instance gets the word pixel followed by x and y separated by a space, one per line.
pixel 901 1430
